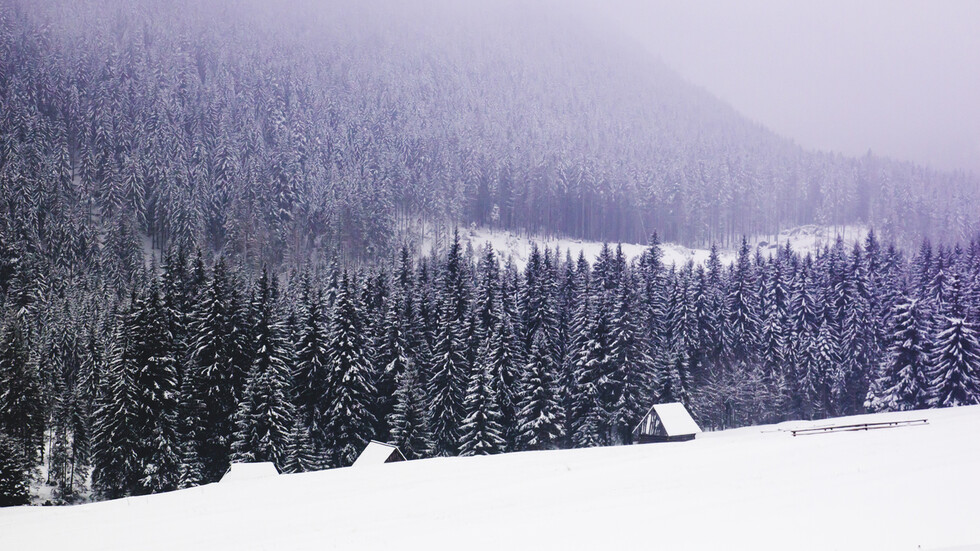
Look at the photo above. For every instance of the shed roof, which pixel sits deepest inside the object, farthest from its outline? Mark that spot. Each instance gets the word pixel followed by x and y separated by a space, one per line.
pixel 376 453
pixel 249 471
pixel 676 419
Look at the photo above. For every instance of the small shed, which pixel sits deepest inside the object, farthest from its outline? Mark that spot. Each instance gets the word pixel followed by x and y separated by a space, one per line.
pixel 666 423
pixel 249 471
pixel 377 453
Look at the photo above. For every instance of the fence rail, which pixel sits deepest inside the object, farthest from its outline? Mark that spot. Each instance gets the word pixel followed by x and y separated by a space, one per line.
pixel 859 426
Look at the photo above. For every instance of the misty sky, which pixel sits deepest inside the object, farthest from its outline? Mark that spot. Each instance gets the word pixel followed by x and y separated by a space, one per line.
pixel 901 78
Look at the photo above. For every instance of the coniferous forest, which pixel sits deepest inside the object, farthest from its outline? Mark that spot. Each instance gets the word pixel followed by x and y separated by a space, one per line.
pixel 203 362
pixel 212 225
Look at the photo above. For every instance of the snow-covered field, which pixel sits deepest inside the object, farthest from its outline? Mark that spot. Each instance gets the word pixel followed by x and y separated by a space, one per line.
pixel 912 487
pixel 802 239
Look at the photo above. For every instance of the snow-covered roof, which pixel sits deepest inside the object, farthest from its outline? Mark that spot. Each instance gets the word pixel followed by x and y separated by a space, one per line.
pixel 249 471
pixel 375 453
pixel 675 419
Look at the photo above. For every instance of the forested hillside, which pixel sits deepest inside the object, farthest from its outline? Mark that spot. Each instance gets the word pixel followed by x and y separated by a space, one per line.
pixel 200 365
pixel 277 132
pixel 279 163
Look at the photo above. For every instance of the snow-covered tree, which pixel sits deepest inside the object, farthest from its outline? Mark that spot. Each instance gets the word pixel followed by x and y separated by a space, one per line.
pixel 265 417
pixel 902 381
pixel 480 431
pixel 540 417
pixel 350 395
pixel 955 365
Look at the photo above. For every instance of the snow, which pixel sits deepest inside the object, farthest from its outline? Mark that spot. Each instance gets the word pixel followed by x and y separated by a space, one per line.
pixel 802 239
pixel 755 488
pixel 249 471
pixel 676 420
pixel 375 453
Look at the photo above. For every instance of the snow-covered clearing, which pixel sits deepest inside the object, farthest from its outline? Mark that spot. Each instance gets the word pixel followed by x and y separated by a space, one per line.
pixel 802 239
pixel 912 487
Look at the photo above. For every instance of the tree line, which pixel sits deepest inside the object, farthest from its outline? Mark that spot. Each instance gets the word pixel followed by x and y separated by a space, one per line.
pixel 203 362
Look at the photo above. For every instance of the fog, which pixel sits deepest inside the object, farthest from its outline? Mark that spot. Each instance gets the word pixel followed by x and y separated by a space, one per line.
pixel 899 78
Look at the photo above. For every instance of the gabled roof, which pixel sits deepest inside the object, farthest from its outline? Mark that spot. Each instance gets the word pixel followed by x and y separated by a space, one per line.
pixel 249 471
pixel 377 453
pixel 674 418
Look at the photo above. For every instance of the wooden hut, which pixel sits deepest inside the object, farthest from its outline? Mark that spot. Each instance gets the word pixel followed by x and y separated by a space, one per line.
pixel 666 423
pixel 378 453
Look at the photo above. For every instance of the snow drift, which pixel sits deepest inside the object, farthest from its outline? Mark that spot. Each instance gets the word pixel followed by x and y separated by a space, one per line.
pixel 913 487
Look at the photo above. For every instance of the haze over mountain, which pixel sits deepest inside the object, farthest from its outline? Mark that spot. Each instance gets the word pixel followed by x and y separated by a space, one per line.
pixel 899 78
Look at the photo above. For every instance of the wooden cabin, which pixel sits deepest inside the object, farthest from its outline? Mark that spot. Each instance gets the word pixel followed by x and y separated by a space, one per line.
pixel 378 453
pixel 666 423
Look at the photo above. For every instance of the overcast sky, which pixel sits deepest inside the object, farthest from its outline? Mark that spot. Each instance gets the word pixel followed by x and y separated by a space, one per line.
pixel 898 77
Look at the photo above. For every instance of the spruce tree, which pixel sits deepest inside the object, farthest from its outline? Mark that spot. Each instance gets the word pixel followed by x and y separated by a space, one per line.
pixel 21 400
pixel 265 416
pixel 447 385
pixel 540 416
pixel 350 395
pixel 955 365
pixel 505 357
pixel 393 359
pixel 902 382
pixel 626 386
pixel 311 377
pixel 480 431
pixel 301 457
pixel 156 385
pixel 137 450
pixel 409 419
pixel 14 473
pixel 218 369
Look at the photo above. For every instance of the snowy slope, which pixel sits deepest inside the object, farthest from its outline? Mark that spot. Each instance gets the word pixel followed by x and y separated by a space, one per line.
pixel 913 487
pixel 802 239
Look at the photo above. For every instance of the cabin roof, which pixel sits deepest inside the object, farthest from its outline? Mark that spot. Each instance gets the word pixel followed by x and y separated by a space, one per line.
pixel 674 418
pixel 376 453
pixel 249 471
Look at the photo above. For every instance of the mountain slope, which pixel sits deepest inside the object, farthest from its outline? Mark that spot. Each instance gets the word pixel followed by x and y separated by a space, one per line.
pixel 310 127
pixel 912 487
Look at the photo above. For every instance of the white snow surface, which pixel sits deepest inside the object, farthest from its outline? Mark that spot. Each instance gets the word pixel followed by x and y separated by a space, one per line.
pixel 906 488
pixel 802 239
pixel 676 419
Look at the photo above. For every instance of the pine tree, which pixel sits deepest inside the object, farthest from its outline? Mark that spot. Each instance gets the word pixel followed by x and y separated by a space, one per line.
pixel 311 378
pixel 504 360
pixel 301 457
pixel 393 359
pixel 265 417
pixel 743 319
pixel 21 401
pixel 409 419
pixel 218 369
pixel 596 395
pixel 626 387
pixel 955 365
pixel 350 395
pixel 115 459
pixel 446 385
pixel 14 479
pixel 480 431
pixel 136 447
pixel 902 382
pixel 540 416
pixel 156 384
